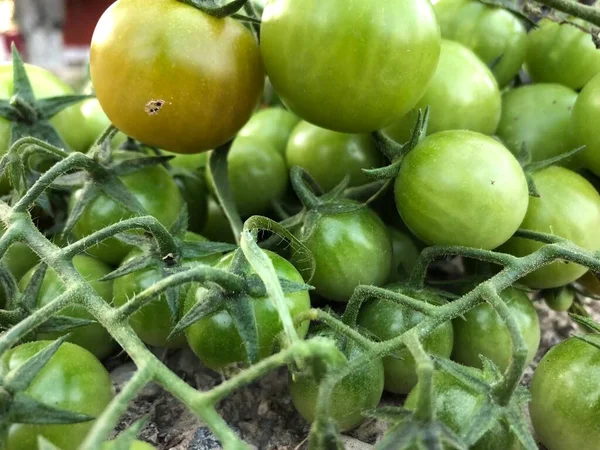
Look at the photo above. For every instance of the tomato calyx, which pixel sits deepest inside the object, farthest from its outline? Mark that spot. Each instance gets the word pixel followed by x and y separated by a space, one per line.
pixel 211 8
pixel 29 116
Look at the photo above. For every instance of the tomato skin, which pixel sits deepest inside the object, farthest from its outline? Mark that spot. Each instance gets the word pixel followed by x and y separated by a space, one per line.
pixel 387 320
pixel 215 339
pixel 456 405
pixel 462 95
pixel 135 445
pixel 482 331
pixel 153 323
pixel 565 396
pixel 551 47
pixel 342 90
pixel 490 32
pixel 154 189
pixel 569 207
pixel 257 175
pixel 583 126
pixel 443 170
pixel 217 226
pixel 272 125
pixel 349 248
pixel 405 254
pixel 537 116
pixel 185 51
pixel 19 258
pixel 73 379
pixel 358 392
pixel 328 156
pixel 94 337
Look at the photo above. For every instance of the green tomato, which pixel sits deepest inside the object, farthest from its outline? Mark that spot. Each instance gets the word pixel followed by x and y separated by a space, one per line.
pixel 537 117
pixel 462 95
pixel 496 35
pixel 153 323
pixel 193 162
pixel 568 207
pixel 587 107
pixel 215 338
pixel 257 175
pixel 405 254
pixel 560 299
pixel 356 393
pixel 481 331
pixel 93 337
pixel 217 226
pixel 349 248
pixel 135 445
pixel 352 66
pixel 328 156
pixel 386 320
pixel 561 53
pixel 272 125
pixel 153 187
pixel 456 406
pixel 565 397
pixel 461 188
pixel 73 380
pixel 19 258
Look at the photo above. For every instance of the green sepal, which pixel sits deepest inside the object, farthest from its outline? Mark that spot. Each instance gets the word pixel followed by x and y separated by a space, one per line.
pixel 192 250
pixel 338 190
pixel 8 284
pixel 116 190
pixel 213 9
pixel 26 410
pixel 386 145
pixel 127 436
pixel 49 107
pixel 324 435
pixel 88 194
pixel 130 166
pixel 257 288
pixel 140 262
pixel 61 324
pixel 211 302
pixel 31 293
pixel 21 84
pixel 241 310
pixel 180 226
pixel 586 322
pixel 45 444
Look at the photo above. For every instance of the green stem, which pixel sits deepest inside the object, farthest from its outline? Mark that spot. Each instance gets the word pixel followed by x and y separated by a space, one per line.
pixel 306 196
pixel 27 111
pixel 587 13
pixel 424 364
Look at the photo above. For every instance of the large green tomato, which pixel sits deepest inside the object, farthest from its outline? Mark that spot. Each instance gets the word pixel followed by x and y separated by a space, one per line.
pixel 565 397
pixel 257 174
pixel 356 393
pixel 153 323
pixel 92 337
pixel 569 207
pixel 73 379
pixel 349 248
pixel 495 35
pixel 481 331
pixel 537 117
pixel 215 339
pixel 462 95
pixel 461 188
pixel 328 156
pixel 583 124
pixel 272 125
pixel 386 320
pixel 154 189
pixel 457 406
pixel 561 53
pixel 203 76
pixel 352 66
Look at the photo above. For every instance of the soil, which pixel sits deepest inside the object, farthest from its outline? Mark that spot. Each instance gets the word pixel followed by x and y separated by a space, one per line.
pixel 263 414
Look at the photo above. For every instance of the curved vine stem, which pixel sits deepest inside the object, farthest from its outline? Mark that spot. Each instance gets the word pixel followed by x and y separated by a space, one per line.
pixel 585 12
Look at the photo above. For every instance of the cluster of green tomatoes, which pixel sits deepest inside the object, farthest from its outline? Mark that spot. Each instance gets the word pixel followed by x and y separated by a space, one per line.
pixel 508 102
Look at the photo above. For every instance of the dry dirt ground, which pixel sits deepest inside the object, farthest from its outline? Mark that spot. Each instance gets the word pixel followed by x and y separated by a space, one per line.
pixel 262 413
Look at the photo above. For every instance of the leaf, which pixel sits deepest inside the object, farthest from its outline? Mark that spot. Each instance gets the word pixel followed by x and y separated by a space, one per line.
pixel 241 310
pixel 26 410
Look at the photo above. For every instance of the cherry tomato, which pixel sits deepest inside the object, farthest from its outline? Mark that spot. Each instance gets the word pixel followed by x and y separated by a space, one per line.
pixel 96 123
pixel 215 339
pixel 349 248
pixel 257 173
pixel 405 254
pixel 569 207
pixel 202 79
pixel 350 65
pixel 94 337
pixel 328 156
pixel 387 320
pixel 560 299
pixel 73 379
pixel 495 35
pixel 272 125
pixel 358 392
pixel 586 108
pixel 449 167
pixel 552 47
pixel 537 117
pixel 456 405
pixel 135 445
pixel 217 226
pixel 154 322
pixel 462 95
pixel 154 189
pixel 481 331
pixel 565 394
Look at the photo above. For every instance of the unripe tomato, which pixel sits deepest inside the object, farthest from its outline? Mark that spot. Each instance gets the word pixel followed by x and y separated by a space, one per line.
pixel 272 125
pixel 583 125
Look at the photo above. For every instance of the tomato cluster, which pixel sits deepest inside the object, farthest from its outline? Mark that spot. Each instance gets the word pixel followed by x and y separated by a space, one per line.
pixel 390 126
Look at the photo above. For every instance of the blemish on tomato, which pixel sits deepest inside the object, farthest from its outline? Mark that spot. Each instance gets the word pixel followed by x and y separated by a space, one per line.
pixel 153 107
